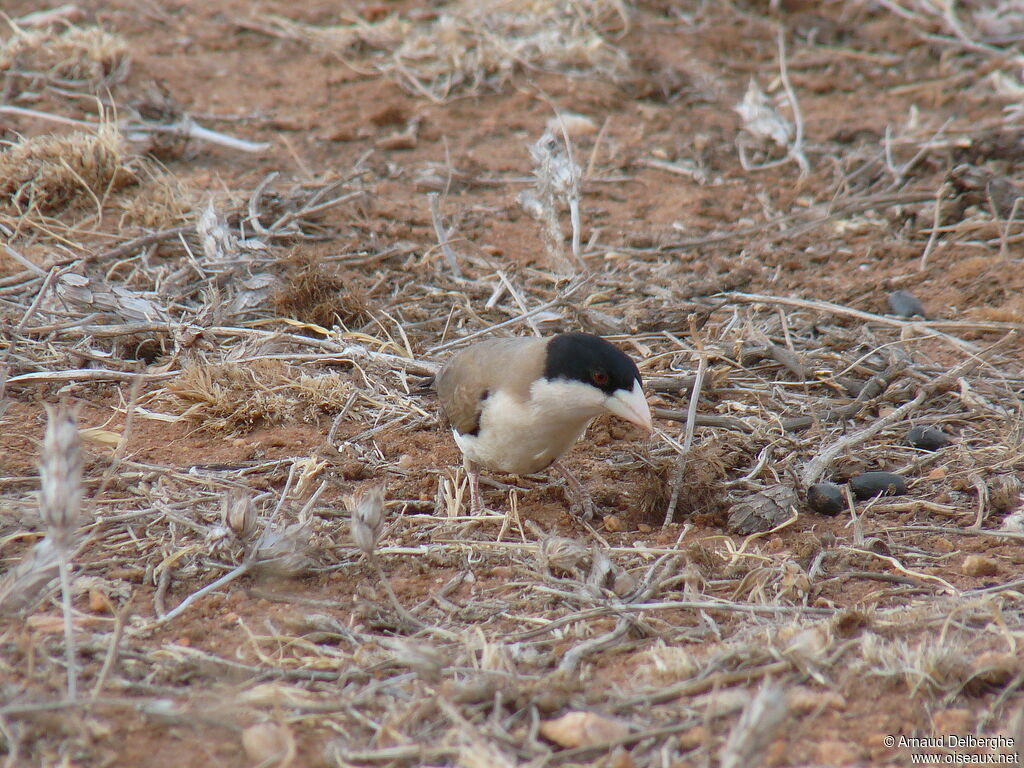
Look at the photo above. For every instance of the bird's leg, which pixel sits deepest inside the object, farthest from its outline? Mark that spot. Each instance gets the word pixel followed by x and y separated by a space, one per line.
pixel 583 498
pixel 476 507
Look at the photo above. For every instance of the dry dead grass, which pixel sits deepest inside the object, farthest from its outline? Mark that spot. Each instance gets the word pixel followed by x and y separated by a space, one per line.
pixel 404 631
pixel 45 174
pixel 237 398
pixel 474 46
pixel 85 57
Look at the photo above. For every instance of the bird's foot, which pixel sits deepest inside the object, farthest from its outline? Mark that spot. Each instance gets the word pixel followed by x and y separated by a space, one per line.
pixel 582 504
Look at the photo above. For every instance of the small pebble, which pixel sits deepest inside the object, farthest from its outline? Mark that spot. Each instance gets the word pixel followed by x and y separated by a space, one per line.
pixel 266 742
pixel 612 524
pixel 905 304
pixel 869 484
pixel 979 565
pixel 927 438
pixel 825 498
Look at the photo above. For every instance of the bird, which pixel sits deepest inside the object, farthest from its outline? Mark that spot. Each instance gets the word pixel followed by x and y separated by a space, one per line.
pixel 517 405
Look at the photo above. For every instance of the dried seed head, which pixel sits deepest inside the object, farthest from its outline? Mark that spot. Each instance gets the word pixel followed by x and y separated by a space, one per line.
pixel 560 554
pixel 602 572
pixel 760 118
pixel 421 657
pixel 367 510
pixel 284 551
pixel 25 584
pixel 555 169
pixel 239 515
pixel 1004 493
pixel 756 728
pixel 60 473
pixel 268 743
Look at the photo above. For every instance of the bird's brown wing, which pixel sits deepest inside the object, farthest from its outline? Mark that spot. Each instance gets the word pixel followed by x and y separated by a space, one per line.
pixel 473 374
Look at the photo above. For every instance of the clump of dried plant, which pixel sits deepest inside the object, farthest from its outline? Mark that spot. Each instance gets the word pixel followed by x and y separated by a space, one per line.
pixel 160 201
pixel 48 173
pixel 86 57
pixel 312 292
pixel 238 397
pixel 472 46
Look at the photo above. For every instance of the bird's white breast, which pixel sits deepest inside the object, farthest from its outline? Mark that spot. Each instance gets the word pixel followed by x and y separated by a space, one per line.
pixel 525 436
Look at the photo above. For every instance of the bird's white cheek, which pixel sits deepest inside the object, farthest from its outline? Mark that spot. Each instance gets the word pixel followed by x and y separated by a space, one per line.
pixel 566 400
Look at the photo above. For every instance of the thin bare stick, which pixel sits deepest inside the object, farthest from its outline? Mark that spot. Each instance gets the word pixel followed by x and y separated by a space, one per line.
pixel 1004 238
pixel 111 658
pixel 815 468
pixel 934 236
pixel 6 109
pixel 796 149
pixel 512 321
pixel 183 606
pixel 691 424
pixel 23 261
pixel 190 129
pixel 442 235
pixel 122 444
pixel 519 301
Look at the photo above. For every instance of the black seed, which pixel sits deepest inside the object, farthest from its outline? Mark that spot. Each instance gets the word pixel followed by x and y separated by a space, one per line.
pixel 825 499
pixel 905 304
pixel 869 484
pixel 928 438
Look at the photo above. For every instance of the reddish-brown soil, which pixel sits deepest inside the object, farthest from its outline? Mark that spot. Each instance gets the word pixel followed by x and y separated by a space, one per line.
pixel 660 239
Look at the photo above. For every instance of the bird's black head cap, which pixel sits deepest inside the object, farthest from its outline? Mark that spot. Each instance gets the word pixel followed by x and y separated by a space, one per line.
pixel 590 359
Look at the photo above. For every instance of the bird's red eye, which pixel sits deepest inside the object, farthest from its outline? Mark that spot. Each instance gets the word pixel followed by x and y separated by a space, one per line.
pixel 599 377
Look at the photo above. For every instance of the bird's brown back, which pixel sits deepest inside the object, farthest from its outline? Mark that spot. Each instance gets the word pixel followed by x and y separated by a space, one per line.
pixel 471 375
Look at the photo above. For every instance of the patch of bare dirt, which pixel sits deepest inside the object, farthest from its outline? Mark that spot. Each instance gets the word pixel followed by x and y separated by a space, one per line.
pixel 236 237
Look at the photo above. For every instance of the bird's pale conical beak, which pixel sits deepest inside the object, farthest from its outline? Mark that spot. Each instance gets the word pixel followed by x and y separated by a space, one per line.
pixel 631 405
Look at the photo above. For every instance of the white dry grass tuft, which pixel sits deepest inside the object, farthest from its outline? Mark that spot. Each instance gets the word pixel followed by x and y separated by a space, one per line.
pixel 60 504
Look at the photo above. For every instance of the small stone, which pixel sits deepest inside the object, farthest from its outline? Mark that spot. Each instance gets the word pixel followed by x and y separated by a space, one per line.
pixel 979 565
pixel 127 574
pixel 582 729
pixel 905 304
pixel 613 524
pixel 825 498
pixel 265 743
pixel 99 602
pixel 397 141
pixel 869 484
pixel 928 438
pixel 697 736
pixel 624 583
